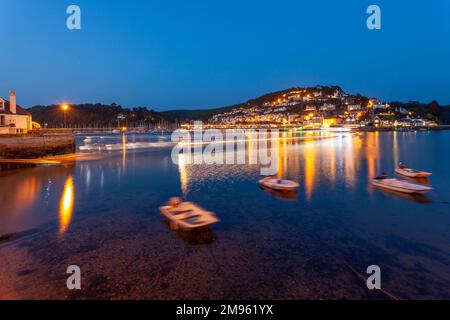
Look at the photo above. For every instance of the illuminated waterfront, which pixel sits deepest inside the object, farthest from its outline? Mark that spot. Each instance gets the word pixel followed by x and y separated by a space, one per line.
pixel 103 216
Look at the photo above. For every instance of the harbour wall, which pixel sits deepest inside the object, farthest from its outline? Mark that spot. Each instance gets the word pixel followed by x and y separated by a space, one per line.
pixel 36 145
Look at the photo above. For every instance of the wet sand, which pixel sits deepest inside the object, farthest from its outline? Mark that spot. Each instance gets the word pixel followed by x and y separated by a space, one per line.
pixel 156 263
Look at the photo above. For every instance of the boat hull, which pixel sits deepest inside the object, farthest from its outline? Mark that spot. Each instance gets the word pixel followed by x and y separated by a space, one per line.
pixel 400 189
pixel 412 174
pixel 204 219
pixel 278 187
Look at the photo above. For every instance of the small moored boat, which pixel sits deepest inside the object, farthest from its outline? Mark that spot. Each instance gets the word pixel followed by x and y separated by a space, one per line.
pixel 399 185
pixel 278 184
pixel 411 173
pixel 187 215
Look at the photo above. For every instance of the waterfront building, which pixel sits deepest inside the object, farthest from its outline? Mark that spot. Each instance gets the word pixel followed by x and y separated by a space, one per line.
pixel 13 118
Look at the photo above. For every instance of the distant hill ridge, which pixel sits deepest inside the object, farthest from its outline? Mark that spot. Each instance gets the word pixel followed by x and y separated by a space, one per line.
pixel 103 115
pixel 208 113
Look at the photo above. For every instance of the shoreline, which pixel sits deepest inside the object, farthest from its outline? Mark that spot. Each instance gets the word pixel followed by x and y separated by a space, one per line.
pixel 28 151
pixel 35 146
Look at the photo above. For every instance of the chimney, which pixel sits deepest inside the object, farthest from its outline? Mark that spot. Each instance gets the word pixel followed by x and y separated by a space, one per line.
pixel 12 101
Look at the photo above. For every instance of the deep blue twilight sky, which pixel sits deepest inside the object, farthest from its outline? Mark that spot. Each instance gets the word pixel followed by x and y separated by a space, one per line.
pixel 210 53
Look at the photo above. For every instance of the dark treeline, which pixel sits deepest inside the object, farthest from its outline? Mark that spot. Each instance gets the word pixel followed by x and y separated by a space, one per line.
pixel 429 111
pixel 95 116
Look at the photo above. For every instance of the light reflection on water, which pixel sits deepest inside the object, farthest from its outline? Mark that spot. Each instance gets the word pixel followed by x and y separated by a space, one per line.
pixel 334 210
pixel 349 160
pixel 66 206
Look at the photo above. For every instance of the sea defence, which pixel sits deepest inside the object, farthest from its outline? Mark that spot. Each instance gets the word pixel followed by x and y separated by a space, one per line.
pixel 36 145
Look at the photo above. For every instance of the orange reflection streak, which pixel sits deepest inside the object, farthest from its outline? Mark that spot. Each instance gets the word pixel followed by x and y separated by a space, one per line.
pixel 282 156
pixel 372 154
pixel 19 201
pixel 66 206
pixel 124 152
pixel 332 150
pixel 250 147
pixel 395 148
pixel 310 169
pixel 184 179
pixel 349 162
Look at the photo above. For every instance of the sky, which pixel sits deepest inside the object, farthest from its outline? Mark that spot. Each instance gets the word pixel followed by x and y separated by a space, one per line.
pixel 177 54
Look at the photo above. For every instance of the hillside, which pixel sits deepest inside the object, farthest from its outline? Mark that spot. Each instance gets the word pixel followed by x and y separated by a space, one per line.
pixel 207 114
pixel 275 107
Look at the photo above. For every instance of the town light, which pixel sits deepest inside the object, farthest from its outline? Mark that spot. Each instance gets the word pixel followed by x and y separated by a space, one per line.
pixel 65 107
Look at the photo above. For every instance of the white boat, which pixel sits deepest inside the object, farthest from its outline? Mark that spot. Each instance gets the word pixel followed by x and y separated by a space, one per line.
pixel 278 184
pixel 411 173
pixel 187 215
pixel 399 185
pixel 88 140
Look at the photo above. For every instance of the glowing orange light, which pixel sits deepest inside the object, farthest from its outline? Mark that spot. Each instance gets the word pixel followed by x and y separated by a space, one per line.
pixel 66 206
pixel 65 107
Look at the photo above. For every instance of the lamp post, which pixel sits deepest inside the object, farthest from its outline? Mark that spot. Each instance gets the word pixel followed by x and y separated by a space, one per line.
pixel 64 108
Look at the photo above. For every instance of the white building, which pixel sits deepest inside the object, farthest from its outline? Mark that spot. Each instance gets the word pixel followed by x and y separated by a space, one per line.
pixel 401 110
pixel 328 107
pixel 13 118
pixel 354 107
pixel 381 106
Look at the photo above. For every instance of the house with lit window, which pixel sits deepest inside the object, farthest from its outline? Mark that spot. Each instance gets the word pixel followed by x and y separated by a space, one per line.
pixel 354 107
pixel 327 107
pixel 13 118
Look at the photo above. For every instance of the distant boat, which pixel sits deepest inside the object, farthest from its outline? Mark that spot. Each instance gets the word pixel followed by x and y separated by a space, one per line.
pixel 278 184
pixel 88 140
pixel 399 185
pixel 411 173
pixel 187 215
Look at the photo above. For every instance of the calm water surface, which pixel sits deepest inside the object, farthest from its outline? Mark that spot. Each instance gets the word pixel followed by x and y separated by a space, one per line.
pixel 103 216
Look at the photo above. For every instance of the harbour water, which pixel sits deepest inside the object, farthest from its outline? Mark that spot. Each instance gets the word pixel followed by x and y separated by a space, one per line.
pixel 102 215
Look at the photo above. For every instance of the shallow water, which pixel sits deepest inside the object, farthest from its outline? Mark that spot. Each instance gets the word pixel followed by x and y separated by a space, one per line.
pixel 103 216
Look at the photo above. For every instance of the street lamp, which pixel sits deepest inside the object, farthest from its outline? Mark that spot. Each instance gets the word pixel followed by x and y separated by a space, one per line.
pixel 64 108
